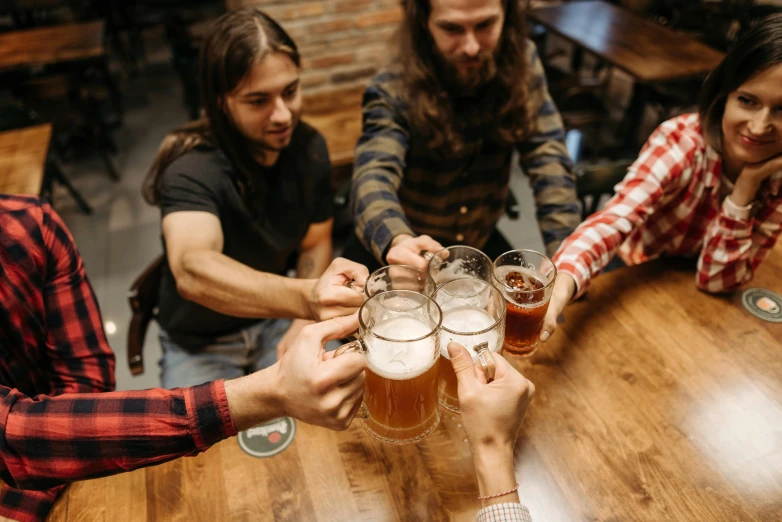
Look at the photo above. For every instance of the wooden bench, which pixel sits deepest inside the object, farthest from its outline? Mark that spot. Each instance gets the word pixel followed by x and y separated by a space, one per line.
pixel 23 154
pixel 337 115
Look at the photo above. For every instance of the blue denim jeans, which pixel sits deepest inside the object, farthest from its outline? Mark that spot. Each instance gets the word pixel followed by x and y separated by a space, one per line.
pixel 251 349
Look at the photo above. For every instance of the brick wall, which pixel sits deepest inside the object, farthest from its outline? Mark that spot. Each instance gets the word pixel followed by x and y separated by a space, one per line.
pixel 342 42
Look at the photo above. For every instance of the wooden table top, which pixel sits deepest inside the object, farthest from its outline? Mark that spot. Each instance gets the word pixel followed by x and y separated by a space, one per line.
pixel 654 402
pixel 48 45
pixel 23 155
pixel 647 51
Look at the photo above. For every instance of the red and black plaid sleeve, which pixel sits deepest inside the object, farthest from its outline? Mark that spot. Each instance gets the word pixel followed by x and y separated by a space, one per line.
pixel 50 441
pixel 55 353
pixel 81 358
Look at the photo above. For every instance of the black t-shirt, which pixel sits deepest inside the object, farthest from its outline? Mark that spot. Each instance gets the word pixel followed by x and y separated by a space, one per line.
pixel 298 193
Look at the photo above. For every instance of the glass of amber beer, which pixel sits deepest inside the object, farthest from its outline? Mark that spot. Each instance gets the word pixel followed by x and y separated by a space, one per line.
pixel 399 334
pixel 473 316
pixel 459 262
pixel 525 279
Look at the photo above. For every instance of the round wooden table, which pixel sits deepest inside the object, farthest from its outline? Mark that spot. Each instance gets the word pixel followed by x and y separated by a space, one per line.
pixel 655 402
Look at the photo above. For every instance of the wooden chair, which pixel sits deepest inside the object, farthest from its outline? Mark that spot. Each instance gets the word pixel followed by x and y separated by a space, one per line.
pixel 598 180
pixel 18 116
pixel 337 116
pixel 143 297
pixel 26 14
pixel 84 114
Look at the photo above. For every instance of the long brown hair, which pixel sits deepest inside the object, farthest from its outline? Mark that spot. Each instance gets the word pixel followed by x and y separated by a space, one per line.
pixel 237 41
pixel 759 49
pixel 430 106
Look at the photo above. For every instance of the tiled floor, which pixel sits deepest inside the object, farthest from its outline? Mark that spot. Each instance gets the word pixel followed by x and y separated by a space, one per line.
pixel 123 235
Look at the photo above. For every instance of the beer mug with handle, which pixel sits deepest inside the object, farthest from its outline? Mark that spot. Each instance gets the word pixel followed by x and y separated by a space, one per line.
pixel 396 277
pixel 473 316
pixel 399 334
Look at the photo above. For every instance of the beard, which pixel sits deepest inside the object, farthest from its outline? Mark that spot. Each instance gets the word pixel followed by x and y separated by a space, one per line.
pixel 464 83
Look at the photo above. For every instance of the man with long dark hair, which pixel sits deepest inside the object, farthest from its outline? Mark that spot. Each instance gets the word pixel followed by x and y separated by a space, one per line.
pixel 433 163
pixel 241 191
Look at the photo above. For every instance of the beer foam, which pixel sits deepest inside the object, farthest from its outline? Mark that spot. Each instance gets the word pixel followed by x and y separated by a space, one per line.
pixel 403 359
pixel 377 284
pixel 456 269
pixel 467 320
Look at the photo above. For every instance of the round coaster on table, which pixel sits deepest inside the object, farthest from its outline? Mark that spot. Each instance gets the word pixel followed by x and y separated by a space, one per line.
pixel 763 303
pixel 269 439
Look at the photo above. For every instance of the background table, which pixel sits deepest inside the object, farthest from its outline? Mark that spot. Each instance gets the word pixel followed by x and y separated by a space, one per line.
pixel 654 402
pixel 647 51
pixel 23 154
pixel 51 45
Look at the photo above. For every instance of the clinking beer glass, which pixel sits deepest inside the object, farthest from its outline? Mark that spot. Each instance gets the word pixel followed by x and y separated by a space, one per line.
pixel 398 277
pixel 458 262
pixel 473 316
pixel 525 279
pixel 399 334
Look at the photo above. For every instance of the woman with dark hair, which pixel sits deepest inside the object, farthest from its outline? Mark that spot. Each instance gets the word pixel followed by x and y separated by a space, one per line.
pixel 705 186
pixel 241 191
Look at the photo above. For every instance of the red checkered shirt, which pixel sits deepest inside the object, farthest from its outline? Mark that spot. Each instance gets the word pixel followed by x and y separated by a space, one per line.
pixel 670 203
pixel 54 357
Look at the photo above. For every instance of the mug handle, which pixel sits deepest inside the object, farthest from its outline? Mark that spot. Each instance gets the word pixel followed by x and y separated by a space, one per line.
pixel 428 256
pixel 358 347
pixel 486 359
pixel 353 346
pixel 356 287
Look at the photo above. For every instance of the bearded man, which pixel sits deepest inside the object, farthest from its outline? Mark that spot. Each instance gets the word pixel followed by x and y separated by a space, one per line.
pixel 440 125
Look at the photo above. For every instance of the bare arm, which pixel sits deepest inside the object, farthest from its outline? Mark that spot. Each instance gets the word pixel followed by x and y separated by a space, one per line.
pixel 315 254
pixel 314 259
pixel 50 440
pixel 204 275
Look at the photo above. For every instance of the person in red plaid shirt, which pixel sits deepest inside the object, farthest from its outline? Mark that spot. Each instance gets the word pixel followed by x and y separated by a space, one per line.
pixel 706 185
pixel 60 421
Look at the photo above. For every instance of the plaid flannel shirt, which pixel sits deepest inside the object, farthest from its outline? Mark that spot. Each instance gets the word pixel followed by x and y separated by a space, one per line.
pixel 670 203
pixel 401 186
pixel 54 358
pixel 505 512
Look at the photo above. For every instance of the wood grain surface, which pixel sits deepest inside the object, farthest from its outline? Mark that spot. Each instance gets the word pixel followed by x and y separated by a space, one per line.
pixel 655 402
pixel 23 155
pixel 49 45
pixel 647 51
pixel 336 114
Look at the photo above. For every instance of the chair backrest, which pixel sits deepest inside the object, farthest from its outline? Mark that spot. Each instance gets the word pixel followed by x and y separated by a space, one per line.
pixel 336 114
pixel 143 298
pixel 595 181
